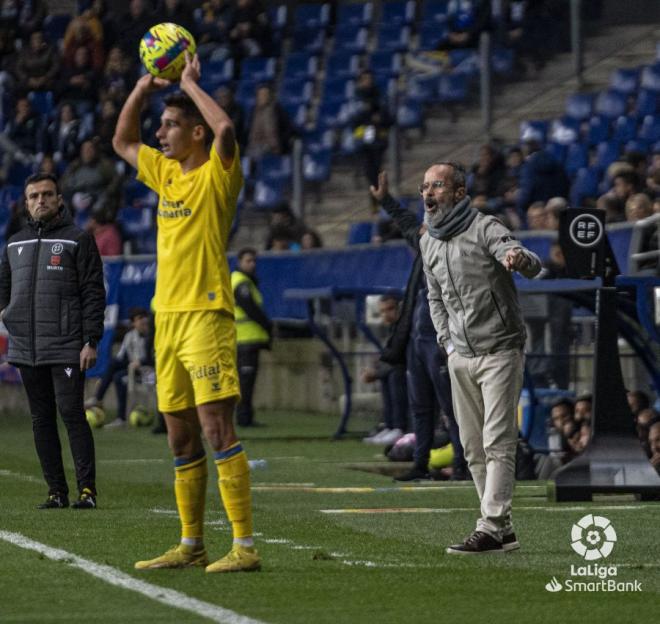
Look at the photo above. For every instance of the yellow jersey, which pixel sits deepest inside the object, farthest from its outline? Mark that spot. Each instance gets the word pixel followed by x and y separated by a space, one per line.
pixel 195 213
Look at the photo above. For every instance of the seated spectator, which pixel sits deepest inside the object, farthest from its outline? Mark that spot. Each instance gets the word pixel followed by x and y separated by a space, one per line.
pixel 84 32
pixel 250 32
pixel 37 65
pixel 31 17
pixel 21 138
pixel 118 76
pixel 105 232
pixel 176 12
pixel 654 444
pixel 79 81
pixel 612 207
pixel 582 412
pixel 311 240
pixel 224 96
pixel 106 122
pixel 638 400
pixel 131 25
pixel 645 419
pixel 89 178
pixel 64 134
pixel 625 184
pixel 487 174
pixel 213 29
pixel 133 354
pixel 553 210
pixel 537 216
pixel 638 207
pixel 48 165
pixel 284 226
pixel 466 24
pixel 270 130
pixel 392 380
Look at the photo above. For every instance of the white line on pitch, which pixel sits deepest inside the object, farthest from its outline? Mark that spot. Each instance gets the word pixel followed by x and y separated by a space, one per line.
pixel 130 461
pixel 112 576
pixel 446 510
pixel 22 477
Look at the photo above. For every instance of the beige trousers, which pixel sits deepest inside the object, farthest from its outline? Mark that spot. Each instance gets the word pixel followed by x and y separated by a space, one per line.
pixel 485 393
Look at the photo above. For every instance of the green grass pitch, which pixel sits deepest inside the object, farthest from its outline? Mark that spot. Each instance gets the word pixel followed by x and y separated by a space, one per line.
pixel 383 565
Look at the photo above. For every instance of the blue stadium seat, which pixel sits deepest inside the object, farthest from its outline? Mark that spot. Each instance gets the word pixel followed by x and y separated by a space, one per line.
pixel 650 79
pixel 342 65
pixel 435 12
pixel 386 85
pixel 453 88
pixel 432 35
pixel 577 157
pixel 315 141
pixel 135 222
pixel 579 106
pixel 42 102
pixel 646 103
pixel 636 146
pixel 138 195
pixel 317 166
pixel 360 233
pixel 625 81
pixel 17 173
pixel 351 39
pixel 329 113
pixel 220 72
pixel 55 26
pixel 619 236
pixel 310 41
pixel 348 144
pixel 258 69
pixel 338 89
pixel 625 129
pixel 557 151
pixel 606 153
pixel 564 131
pixel 268 194
pixel 272 167
pixel 393 37
pixel 501 61
pixel 277 15
pixel 246 93
pixel 385 62
pixel 585 186
pixel 610 104
pixel 354 14
pixel 409 114
pixel 598 130
pixel 650 129
pixel 294 91
pixel 422 89
pixel 311 16
pixel 536 129
pixel 300 65
pixel 398 13
pixel 297 113
pixel 464 61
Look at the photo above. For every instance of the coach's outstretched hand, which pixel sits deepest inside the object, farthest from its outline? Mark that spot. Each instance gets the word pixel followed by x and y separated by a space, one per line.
pixel 383 189
pixel 516 260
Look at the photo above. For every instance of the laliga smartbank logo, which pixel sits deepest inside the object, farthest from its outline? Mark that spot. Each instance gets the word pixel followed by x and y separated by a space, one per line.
pixel 593 538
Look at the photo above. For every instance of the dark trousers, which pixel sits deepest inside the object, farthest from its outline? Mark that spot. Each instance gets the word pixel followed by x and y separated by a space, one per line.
pixel 248 367
pixel 395 399
pixel 49 389
pixel 428 387
pixel 116 373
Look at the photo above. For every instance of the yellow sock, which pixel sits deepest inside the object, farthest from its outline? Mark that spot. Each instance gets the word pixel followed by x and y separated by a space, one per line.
pixel 234 483
pixel 190 491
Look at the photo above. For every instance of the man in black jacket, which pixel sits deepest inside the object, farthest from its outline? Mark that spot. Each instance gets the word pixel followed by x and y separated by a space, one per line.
pixel 52 302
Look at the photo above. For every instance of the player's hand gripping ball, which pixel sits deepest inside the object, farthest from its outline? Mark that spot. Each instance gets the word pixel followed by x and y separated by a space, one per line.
pixel 163 50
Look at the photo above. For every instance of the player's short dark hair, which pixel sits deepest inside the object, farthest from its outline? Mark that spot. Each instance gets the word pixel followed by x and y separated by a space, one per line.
pixel 458 176
pixel 629 177
pixel 244 251
pixel 184 102
pixel 40 177
pixel 563 401
pixel 137 312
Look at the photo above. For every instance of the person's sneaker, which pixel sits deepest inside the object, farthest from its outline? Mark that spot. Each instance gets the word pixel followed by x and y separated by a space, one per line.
pixel 390 437
pixel 180 556
pixel 117 423
pixel 376 438
pixel 55 501
pixel 238 559
pixel 509 542
pixel 414 474
pixel 479 543
pixel 92 402
pixel 86 500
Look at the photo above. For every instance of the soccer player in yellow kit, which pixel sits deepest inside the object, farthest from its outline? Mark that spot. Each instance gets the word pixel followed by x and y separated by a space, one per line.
pixel 195 342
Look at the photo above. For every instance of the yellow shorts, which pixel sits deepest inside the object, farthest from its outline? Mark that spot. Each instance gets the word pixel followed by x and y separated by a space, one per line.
pixel 195 359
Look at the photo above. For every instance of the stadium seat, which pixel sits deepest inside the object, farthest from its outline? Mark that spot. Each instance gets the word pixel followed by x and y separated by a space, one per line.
pixel 258 69
pixel 315 141
pixel 55 26
pixel 300 65
pixel 606 153
pixel 557 151
pixel 295 91
pixel 135 222
pixel 432 35
pixel 246 94
pixel 610 104
pixel 386 85
pixel 311 16
pixel 268 194
pixel 435 12
pixel 342 65
pixel 620 236
pixel 277 15
pixel 625 81
pixel 273 167
pixel 348 144
pixel 360 233
pixel 310 41
pixel 624 129
pixel 398 13
pixel 598 130
pixel 422 88
pixel 393 37
pixel 650 129
pixel 502 61
pixel 138 195
pixel 636 146
pixel 42 102
pixel 536 129
pixel 650 79
pixel 297 113
pixel 452 88
pixel 579 106
pixel 409 114
pixel 577 157
pixel 564 131
pixel 351 39
pixel 329 114
pixel 17 173
pixel 317 166
pixel 338 89
pixel 584 186
pixel 646 103
pixel 464 61
pixel 385 62
pixel 354 14
pixel 220 72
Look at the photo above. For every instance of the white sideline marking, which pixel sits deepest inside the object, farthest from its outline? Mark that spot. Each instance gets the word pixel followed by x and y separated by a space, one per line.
pixel 303 487
pixel 446 510
pixel 112 576
pixel 22 477
pixel 130 461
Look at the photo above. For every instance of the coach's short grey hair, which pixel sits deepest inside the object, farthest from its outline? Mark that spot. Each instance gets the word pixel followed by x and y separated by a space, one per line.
pixel 458 177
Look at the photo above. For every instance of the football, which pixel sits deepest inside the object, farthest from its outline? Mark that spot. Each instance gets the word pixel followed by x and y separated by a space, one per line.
pixel 163 48
pixel 140 417
pixel 95 416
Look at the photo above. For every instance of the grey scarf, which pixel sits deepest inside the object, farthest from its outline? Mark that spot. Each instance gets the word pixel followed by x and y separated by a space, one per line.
pixel 454 222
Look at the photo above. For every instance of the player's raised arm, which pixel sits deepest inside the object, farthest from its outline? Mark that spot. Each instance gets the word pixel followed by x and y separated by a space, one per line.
pixel 220 123
pixel 126 140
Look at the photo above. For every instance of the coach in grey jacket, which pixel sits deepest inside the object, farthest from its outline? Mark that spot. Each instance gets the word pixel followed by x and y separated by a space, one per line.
pixel 468 260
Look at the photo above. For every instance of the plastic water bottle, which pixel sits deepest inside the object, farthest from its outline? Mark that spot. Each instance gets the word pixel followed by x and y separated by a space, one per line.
pixel 258 464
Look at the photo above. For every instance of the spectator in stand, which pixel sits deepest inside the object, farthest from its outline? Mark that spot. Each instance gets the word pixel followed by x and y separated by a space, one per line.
pixel 64 134
pixel 37 65
pixel 582 413
pixel 541 176
pixel 105 232
pixel 466 23
pixel 612 207
pixel 84 33
pixel 224 96
pixel 537 216
pixel 487 173
pixel 392 378
pixel 31 16
pixel 270 129
pixel 100 20
pixel 250 32
pixel 643 422
pixel 553 210
pixel 118 76
pixel 21 138
pixel 638 400
pixel 106 121
pixel 311 240
pixel 625 184
pixel 79 81
pixel 638 207
pixel 178 12
pixel 132 25
pixel 284 225
pixel 48 165
pixel 213 29
pixel 89 178
pixel 654 444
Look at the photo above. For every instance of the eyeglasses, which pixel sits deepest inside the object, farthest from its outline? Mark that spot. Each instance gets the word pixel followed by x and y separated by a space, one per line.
pixel 438 184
